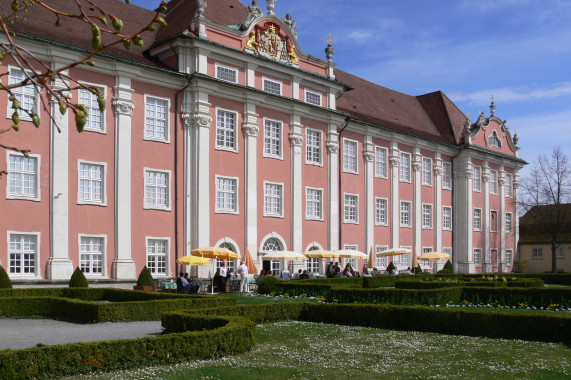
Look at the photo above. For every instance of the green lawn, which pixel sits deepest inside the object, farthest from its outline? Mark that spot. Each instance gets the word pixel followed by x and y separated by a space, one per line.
pixel 301 350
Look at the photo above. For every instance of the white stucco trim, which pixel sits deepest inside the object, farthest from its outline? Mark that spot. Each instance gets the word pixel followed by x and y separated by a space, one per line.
pixel 282 195
pixel 169 190
pixel 80 201
pixel 313 244
pixel 103 89
pixel 37 270
pixel 274 235
pixel 321 145
pixel 320 189
pixel 387 215
pixel 104 256
pixel 356 171
pixel 236 130
pixel 236 210
pixel 306 91
pixel 167 273
pixel 266 79
pixel 166 140
pixel 38 196
pixel 234 69
pixel 232 242
pixel 387 164
pixel 357 211
pixel 279 156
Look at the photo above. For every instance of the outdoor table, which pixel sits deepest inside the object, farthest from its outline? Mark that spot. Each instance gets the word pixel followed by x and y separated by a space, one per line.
pixel 168 286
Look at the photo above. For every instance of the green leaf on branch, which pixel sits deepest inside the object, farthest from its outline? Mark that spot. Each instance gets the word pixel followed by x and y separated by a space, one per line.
pixel 101 103
pixel 126 44
pixel 35 120
pixel 161 21
pixel 62 107
pixel 15 119
pixel 117 24
pixel 80 117
pixel 138 40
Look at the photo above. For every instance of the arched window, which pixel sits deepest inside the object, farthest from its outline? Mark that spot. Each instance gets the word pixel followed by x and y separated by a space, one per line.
pixel 272 245
pixel 230 264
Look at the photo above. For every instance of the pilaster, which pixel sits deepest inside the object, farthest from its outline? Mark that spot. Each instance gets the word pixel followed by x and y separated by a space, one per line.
pixel 251 129
pixel 395 206
pixel 333 182
pixel 417 226
pixel 502 221
pixel 462 218
pixel 438 201
pixel 369 156
pixel 516 217
pixel 296 141
pixel 123 265
pixel 486 263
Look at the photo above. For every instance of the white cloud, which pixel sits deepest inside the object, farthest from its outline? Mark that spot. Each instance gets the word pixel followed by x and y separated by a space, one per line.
pixel 506 94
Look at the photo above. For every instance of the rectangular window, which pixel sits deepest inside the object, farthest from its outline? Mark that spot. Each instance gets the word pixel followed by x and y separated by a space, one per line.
pixel 426 171
pixel 313 265
pixel 91 255
pixel 381 162
pixel 477 219
pixel 537 253
pixel 313 203
pixel 226 130
pixel 91 183
pixel 350 156
pixel 26 95
pixel 156 119
pixel 273 87
pixel 23 177
pixel 509 185
pixel 351 208
pixel 157 256
pixel 405 214
pixel 226 73
pixel 404 259
pixel 560 253
pixel 313 147
pixel 447 218
pixel 447 175
pixel 426 216
pixel 381 262
pixel 381 211
pixel 313 98
pixel 477 180
pixel 478 256
pixel 493 181
pixel 156 189
pixel 273 199
pixel 405 167
pixel 509 257
pixel 23 254
pixel 508 222
pixel 493 221
pixel 226 195
pixel 95 117
pixel 272 139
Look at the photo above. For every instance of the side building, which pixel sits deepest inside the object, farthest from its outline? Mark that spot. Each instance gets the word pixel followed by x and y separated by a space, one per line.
pixel 221 131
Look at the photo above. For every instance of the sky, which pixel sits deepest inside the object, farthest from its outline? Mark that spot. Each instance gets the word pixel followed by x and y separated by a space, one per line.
pixel 519 51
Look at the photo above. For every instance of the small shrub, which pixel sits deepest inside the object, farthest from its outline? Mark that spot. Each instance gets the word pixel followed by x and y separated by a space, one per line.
pixel 267 285
pixel 5 282
pixel 445 271
pixel 145 277
pixel 417 269
pixel 391 268
pixel 78 279
pixel 449 266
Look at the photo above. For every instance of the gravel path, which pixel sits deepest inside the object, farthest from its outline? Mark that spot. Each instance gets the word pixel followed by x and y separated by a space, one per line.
pixel 22 333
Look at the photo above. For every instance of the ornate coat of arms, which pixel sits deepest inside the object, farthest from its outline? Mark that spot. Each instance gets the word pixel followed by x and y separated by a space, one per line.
pixel 267 42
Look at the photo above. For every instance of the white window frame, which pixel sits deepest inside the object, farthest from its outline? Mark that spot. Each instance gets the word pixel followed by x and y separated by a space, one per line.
pixel 316 94
pixel 477 179
pixel 447 175
pixel 509 223
pixel 379 221
pixel 497 221
pixel 537 253
pixel 167 241
pixel 404 259
pixel 350 260
pixel 319 147
pixel 103 201
pixel 235 210
pixel 446 220
pixel 381 162
pixel 9 195
pixel 166 139
pixel 233 148
pixel 509 185
pixel 402 216
pixel 477 262
pixel 346 168
pixel 279 214
pixel 280 138
pixel 381 262
pixel 509 257
pixel 430 208
pixel 493 182
pixel 103 89
pixel 426 171
pixel 346 220
pixel 320 203
pixel 37 256
pixel 224 67
pixel 19 91
pixel 272 81
pixel 477 226
pixel 103 254
pixel 405 169
pixel 147 206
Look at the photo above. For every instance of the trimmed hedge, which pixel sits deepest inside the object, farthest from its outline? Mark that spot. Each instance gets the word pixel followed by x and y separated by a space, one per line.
pixel 5 282
pixel 412 283
pixel 219 336
pixel 78 279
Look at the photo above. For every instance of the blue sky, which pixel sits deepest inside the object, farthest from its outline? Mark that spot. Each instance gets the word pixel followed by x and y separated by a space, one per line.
pixel 519 51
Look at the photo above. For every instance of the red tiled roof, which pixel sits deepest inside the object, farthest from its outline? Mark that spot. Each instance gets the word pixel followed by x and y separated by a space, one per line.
pixel 431 116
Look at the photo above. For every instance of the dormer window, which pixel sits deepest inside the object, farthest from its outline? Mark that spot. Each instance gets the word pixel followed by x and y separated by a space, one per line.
pixel 272 86
pixel 494 140
pixel 313 98
pixel 226 73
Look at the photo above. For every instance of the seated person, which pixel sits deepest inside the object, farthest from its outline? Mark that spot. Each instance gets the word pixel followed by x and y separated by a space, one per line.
pixel 296 275
pixel 304 275
pixel 187 284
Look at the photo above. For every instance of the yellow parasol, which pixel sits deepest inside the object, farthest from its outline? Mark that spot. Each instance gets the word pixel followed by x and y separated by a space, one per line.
pixel 371 262
pixel 249 261
pixel 193 260
pixel 321 254
pixel 352 254
pixel 215 253
pixel 282 255
pixel 394 252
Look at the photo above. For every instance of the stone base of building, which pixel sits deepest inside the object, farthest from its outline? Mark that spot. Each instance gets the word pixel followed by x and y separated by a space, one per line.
pixel 464 267
pixel 124 269
pixel 59 269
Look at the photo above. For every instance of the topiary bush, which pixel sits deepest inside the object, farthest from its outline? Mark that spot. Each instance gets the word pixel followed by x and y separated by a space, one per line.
pixel 5 282
pixel 78 279
pixel 445 271
pixel 267 285
pixel 417 269
pixel 449 266
pixel 391 268
pixel 145 277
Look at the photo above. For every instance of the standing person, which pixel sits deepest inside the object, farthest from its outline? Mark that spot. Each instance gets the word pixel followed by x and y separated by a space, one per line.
pixel 243 272
pixel 223 278
pixel 330 270
pixel 337 269
pixel 285 274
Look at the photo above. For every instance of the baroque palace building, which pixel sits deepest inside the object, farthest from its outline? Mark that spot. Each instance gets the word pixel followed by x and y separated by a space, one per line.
pixel 221 131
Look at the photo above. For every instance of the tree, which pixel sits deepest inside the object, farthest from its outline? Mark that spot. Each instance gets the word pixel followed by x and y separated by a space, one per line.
pixel 105 29
pixel 545 199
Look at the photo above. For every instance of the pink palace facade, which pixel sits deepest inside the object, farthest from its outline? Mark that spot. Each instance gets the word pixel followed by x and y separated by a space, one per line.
pixel 222 131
